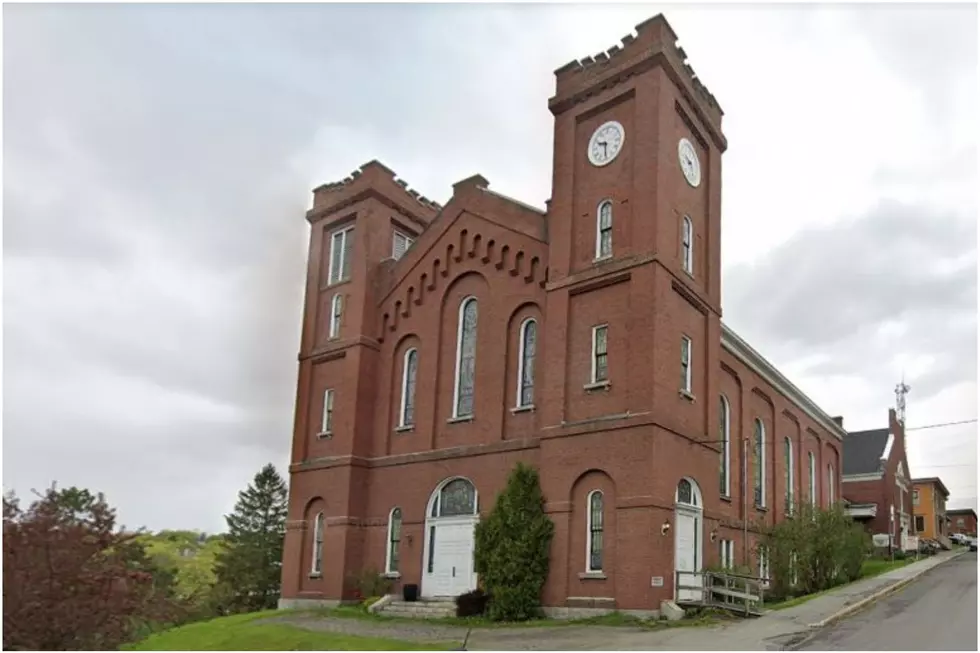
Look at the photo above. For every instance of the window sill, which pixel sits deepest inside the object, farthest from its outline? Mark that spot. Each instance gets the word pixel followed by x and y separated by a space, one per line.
pixel 591 575
pixel 459 420
pixel 324 435
pixel 602 259
pixel 689 273
pixel 392 575
pixel 522 409
pixel 407 428
pixel 334 284
pixel 727 498
pixel 761 508
pixel 597 385
pixel 686 395
pixel 314 575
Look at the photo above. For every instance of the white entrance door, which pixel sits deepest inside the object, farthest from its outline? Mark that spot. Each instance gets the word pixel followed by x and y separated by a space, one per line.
pixel 687 542
pixel 449 568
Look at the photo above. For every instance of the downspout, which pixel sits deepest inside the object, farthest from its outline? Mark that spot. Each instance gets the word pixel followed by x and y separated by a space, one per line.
pixel 745 501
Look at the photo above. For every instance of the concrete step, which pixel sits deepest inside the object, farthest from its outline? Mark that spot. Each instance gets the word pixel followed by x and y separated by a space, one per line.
pixel 426 609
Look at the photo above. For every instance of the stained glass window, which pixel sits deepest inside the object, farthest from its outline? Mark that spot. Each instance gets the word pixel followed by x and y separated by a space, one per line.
pixel 595 531
pixel 466 359
pixel 528 345
pixel 457 498
pixel 394 537
pixel 685 493
pixel 788 453
pixel 317 563
pixel 760 444
pixel 724 419
pixel 408 387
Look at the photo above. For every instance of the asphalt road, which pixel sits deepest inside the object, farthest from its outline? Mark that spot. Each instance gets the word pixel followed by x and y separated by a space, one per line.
pixel 937 612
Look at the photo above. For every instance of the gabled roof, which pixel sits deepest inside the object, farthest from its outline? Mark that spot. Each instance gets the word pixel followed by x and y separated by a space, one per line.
pixel 863 451
pixel 962 511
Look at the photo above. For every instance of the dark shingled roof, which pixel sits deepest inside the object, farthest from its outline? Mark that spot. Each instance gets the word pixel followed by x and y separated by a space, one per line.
pixel 862 451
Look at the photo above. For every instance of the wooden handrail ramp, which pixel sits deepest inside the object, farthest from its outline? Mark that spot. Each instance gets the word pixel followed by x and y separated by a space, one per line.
pixel 735 593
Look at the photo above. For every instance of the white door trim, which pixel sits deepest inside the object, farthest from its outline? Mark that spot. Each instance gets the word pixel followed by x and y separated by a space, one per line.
pixel 428 579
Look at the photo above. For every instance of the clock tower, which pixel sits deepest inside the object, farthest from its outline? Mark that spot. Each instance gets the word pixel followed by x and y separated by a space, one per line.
pixel 634 225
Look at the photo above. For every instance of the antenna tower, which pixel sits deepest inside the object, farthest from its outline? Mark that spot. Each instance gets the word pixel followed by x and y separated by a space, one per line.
pixel 900 391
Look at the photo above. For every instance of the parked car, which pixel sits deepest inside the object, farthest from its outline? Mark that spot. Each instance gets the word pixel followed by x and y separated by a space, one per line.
pixel 960 538
pixel 973 544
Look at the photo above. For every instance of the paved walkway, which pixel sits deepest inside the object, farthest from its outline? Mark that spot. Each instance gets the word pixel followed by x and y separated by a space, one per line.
pixel 776 630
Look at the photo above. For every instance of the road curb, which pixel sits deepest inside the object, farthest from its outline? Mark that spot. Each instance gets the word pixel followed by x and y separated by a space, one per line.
pixel 859 605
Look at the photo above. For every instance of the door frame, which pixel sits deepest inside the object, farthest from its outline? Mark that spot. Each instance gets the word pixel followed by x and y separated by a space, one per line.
pixel 436 523
pixel 696 511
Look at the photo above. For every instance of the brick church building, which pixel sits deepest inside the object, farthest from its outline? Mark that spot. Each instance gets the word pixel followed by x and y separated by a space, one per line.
pixel 443 344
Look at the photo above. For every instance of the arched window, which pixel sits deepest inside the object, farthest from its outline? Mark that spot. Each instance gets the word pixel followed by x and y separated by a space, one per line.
pixel 525 365
pixel 394 537
pixel 316 564
pixel 686 494
pixel 603 230
pixel 760 463
pixel 687 245
pixel 465 358
pixel 457 498
pixel 410 364
pixel 831 482
pixel 594 526
pixel 724 425
pixel 336 314
pixel 813 478
pixel 790 481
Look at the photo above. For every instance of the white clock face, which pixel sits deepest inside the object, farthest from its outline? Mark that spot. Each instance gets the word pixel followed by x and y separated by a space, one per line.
pixel 606 143
pixel 687 156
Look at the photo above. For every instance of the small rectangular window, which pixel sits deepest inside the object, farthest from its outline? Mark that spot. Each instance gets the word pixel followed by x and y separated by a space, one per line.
pixel 727 555
pixel 687 245
pixel 327 426
pixel 603 243
pixel 341 245
pixel 336 313
pixel 400 244
pixel 600 366
pixel 686 364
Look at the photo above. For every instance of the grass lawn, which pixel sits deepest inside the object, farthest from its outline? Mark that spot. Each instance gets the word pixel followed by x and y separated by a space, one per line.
pixel 869 569
pixel 241 633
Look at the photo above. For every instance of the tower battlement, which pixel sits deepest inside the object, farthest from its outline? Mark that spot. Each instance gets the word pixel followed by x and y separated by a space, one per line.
pixel 371 173
pixel 652 37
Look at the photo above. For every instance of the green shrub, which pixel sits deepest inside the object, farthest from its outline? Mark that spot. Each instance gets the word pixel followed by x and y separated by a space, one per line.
pixel 814 550
pixel 369 582
pixel 512 548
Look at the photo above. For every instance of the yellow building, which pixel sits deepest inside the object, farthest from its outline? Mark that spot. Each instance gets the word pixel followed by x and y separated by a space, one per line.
pixel 929 497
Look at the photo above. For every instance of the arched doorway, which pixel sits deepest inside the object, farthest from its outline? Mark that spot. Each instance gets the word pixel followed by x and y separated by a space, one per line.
pixel 688 534
pixel 450 522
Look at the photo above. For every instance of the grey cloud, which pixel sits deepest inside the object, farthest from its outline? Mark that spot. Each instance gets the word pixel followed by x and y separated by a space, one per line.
pixel 828 290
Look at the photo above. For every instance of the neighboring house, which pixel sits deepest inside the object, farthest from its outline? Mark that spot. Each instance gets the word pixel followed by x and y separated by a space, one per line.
pixel 963 521
pixel 876 482
pixel 443 344
pixel 929 497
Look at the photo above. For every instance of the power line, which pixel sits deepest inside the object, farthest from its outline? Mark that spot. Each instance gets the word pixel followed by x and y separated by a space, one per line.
pixel 936 426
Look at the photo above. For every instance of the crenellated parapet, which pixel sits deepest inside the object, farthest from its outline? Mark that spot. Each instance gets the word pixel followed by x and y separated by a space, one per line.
pixel 579 79
pixel 378 177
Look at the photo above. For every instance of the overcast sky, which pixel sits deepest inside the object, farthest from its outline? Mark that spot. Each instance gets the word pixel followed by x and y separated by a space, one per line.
pixel 158 161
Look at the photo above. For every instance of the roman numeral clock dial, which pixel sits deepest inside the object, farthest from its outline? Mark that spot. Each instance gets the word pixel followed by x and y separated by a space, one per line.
pixel 606 143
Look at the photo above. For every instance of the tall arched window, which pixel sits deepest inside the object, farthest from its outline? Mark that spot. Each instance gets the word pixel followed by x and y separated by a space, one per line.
pixel 603 229
pixel 760 463
pixel 687 245
pixel 831 482
pixel 594 525
pixel 410 364
pixel 525 364
pixel 724 424
pixel 790 481
pixel 813 478
pixel 316 563
pixel 465 358
pixel 336 314
pixel 394 538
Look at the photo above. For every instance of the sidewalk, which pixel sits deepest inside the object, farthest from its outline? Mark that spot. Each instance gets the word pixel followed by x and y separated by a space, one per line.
pixel 773 631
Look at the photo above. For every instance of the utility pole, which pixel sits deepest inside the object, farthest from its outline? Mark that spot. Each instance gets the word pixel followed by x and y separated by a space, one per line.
pixel 900 391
